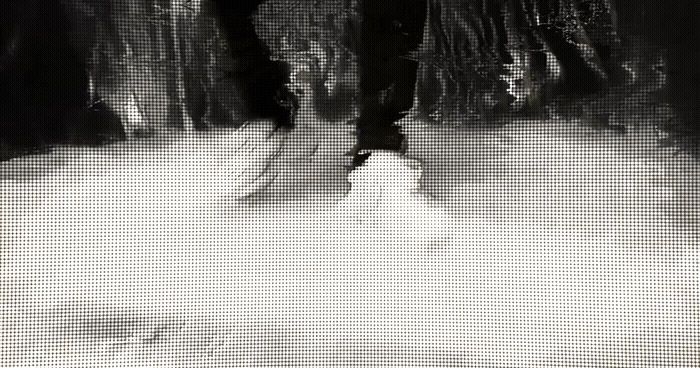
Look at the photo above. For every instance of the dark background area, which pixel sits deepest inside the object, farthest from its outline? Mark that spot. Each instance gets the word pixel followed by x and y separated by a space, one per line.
pixel 88 72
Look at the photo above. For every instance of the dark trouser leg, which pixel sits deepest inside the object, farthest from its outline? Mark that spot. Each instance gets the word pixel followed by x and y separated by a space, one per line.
pixel 390 29
pixel 386 103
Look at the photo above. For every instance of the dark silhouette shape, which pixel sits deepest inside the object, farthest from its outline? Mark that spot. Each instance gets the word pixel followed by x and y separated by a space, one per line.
pixel 42 78
pixel 388 32
pixel 263 80
pixel 94 125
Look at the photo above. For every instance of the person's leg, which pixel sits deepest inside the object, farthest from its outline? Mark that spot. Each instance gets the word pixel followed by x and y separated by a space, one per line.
pixel 389 31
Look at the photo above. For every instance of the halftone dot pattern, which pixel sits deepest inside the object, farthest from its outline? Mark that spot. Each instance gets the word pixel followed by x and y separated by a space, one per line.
pixel 563 238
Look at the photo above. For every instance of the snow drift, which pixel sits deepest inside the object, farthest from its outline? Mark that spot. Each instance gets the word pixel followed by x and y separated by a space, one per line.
pixel 483 248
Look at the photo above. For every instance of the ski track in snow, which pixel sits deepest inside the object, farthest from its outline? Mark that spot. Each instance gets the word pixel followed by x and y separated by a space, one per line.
pixel 519 246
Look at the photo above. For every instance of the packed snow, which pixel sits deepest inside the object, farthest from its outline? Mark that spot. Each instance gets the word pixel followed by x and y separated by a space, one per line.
pixel 533 244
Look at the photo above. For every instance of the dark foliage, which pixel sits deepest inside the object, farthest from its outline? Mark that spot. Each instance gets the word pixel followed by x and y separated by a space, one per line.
pixel 472 41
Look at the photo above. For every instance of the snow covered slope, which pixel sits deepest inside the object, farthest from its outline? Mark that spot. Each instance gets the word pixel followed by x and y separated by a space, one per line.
pixel 518 246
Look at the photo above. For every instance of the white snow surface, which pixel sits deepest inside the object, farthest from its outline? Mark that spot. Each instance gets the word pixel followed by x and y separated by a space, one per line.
pixel 521 246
